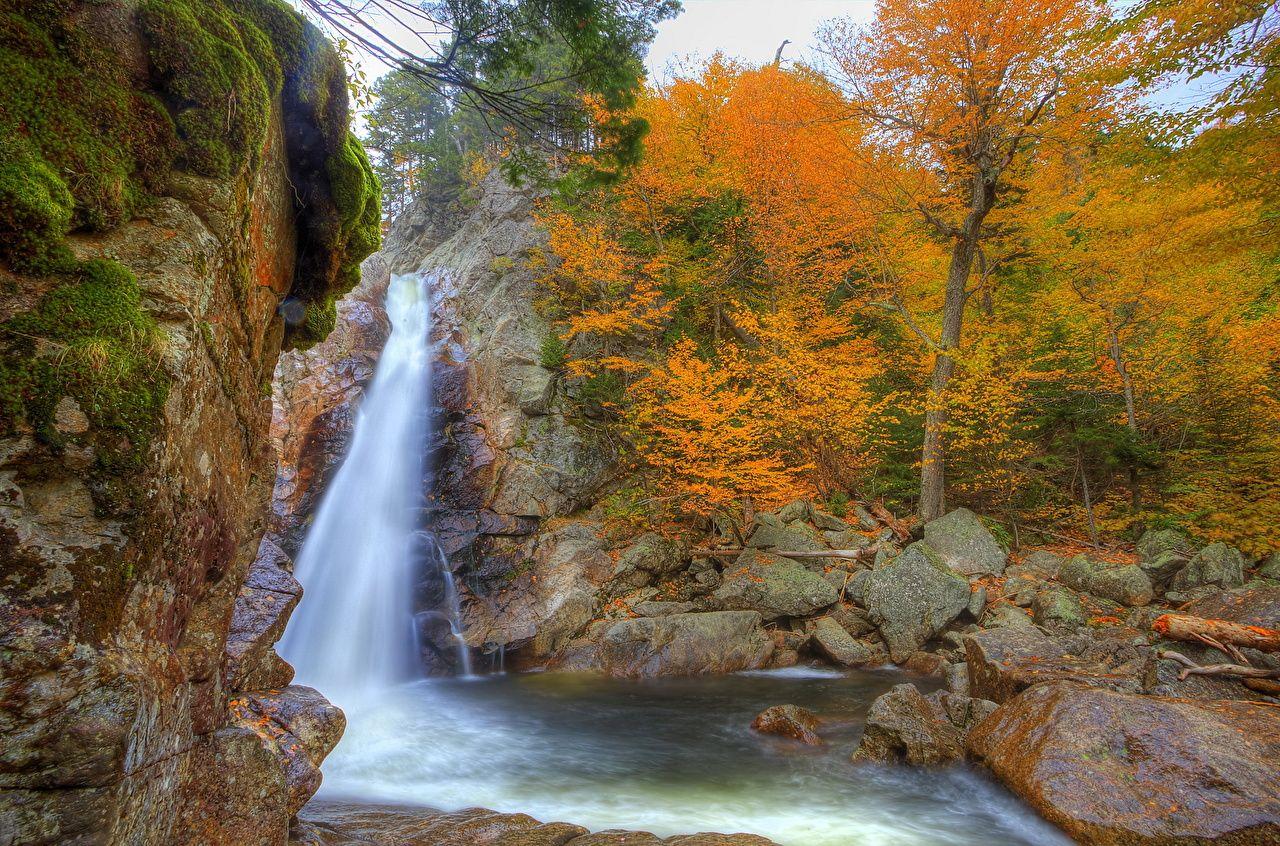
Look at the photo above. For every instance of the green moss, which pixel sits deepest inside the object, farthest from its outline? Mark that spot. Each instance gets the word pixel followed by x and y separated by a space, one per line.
pixel 81 149
pixel 358 199
pixel 90 340
pixel 219 73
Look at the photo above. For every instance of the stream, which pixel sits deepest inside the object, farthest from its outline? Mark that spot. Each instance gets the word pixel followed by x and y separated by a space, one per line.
pixel 670 756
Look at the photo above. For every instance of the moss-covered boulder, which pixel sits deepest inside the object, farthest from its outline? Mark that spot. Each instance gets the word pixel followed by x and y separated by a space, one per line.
pixel 913 598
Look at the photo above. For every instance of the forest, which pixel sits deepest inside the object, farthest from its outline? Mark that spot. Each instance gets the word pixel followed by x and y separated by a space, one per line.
pixel 977 255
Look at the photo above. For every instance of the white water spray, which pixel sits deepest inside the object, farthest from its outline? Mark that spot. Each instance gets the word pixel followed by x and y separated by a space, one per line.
pixel 354 631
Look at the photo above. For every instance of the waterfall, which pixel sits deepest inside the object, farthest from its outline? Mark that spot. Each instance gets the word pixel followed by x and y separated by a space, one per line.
pixel 354 632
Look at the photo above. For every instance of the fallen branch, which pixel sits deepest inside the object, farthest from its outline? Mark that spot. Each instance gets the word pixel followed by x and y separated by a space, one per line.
pixel 1191 668
pixel 845 554
pixel 1194 629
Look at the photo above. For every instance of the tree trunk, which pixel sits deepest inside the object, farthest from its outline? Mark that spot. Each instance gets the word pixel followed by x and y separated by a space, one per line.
pixel 933 456
pixel 1130 409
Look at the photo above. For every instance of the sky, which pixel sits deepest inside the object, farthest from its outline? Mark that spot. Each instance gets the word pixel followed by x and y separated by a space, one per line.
pixel 745 29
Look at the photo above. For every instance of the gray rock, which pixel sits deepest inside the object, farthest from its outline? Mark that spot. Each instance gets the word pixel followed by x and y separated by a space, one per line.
pixel 977 602
pixel 904 726
pixel 853 620
pixel 831 640
pixel 791 537
pixel 958 679
pixel 685 645
pixel 1003 662
pixel 828 522
pixel 1270 567
pixel 1004 616
pixel 913 598
pixel 1127 584
pixel 1057 607
pixel 1216 564
pixel 794 511
pixel 1041 563
pixel 774 586
pixel 651 608
pixel 1157 542
pixel 965 545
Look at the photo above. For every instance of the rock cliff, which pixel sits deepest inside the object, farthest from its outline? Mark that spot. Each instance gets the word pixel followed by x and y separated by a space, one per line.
pixel 179 197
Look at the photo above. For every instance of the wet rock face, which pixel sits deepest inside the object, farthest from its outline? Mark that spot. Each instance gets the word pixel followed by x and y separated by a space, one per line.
pixel 119 579
pixel 1111 768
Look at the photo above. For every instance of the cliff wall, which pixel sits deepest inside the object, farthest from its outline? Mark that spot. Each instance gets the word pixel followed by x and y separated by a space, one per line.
pixel 179 198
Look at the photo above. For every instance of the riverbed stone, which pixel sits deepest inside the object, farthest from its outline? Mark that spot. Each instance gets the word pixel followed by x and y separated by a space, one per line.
pixel 913 598
pixel 1257 604
pixel 771 532
pixel 789 721
pixel 834 642
pixel 1113 768
pixel 965 545
pixel 774 586
pixel 685 645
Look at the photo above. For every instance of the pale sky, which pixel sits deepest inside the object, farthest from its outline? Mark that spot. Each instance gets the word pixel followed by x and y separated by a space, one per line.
pixel 745 29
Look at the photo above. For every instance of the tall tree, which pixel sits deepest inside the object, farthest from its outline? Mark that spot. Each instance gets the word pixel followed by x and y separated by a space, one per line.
pixel 960 93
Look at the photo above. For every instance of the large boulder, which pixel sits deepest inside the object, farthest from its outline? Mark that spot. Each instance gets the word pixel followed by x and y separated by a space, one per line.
pixel 789 721
pixel 913 598
pixel 1003 662
pixel 965 545
pixel 1216 564
pixel 1112 768
pixel 773 586
pixel 685 645
pixel 1057 608
pixel 904 726
pixel 1126 584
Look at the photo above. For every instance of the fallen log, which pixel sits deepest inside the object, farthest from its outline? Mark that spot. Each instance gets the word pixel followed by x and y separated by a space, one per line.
pixel 1196 629
pixel 734 551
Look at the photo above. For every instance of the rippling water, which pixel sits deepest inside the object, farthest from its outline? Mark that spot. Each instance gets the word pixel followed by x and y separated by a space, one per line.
pixel 668 756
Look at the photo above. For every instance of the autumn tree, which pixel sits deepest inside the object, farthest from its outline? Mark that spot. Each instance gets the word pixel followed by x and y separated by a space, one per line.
pixel 961 93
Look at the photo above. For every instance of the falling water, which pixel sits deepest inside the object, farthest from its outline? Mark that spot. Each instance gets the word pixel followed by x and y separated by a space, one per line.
pixel 354 632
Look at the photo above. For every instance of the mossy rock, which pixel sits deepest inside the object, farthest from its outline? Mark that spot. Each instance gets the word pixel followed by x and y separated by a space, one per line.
pixel 90 340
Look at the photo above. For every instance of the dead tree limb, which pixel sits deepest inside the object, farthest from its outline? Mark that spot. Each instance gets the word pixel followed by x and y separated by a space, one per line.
pixel 1185 627
pixel 1191 668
